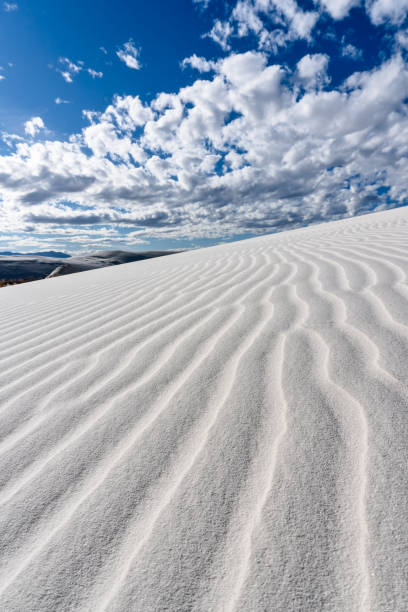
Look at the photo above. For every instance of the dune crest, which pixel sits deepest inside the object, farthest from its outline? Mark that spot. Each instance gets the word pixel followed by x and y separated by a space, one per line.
pixel 220 430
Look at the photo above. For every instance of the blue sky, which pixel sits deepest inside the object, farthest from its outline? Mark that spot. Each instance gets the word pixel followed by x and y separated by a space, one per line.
pixel 179 124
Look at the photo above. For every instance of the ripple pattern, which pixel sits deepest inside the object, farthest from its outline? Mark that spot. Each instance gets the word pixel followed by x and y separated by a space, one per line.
pixel 221 430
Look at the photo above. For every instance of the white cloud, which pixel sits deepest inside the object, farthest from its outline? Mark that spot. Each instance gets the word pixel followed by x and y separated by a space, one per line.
pixel 61 101
pixel 10 6
pixel 242 151
pixel 94 73
pixel 71 69
pixel 33 126
pixel 103 50
pixel 312 70
pixel 339 9
pixel 66 76
pixel 129 54
pixel 401 39
pixel 381 11
pixel 11 139
pixel 199 63
pixel 245 14
pixel 2 77
pixel 273 22
pixel 300 23
pixel 203 3
pixel 220 33
pixel 351 51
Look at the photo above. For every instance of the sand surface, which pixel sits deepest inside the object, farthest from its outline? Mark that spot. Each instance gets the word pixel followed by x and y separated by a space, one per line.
pixel 220 430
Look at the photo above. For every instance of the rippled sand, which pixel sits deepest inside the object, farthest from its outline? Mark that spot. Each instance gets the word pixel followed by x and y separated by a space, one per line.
pixel 220 430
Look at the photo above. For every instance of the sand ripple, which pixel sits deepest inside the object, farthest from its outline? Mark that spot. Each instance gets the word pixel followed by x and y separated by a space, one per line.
pixel 222 430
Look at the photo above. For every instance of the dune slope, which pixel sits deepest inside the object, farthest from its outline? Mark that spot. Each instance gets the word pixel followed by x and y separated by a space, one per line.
pixel 221 430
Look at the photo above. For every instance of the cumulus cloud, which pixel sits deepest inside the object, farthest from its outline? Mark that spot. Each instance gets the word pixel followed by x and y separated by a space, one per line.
pixel 379 11
pixel 199 63
pixel 220 33
pixel 2 77
pixel 338 9
pixel 393 11
pixel 129 54
pixel 11 139
pixel 312 70
pixel 276 23
pixel 59 100
pixel 241 151
pixel 273 22
pixel 33 126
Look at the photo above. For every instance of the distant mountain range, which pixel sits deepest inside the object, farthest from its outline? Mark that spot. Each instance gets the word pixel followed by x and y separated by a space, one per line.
pixel 22 267
pixel 40 253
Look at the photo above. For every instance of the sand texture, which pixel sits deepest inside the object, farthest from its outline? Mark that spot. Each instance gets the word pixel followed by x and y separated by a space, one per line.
pixel 220 430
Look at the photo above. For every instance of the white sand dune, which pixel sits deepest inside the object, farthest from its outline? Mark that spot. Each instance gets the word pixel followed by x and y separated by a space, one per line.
pixel 220 430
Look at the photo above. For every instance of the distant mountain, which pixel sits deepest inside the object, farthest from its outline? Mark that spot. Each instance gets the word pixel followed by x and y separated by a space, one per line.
pixel 40 254
pixel 113 258
pixel 35 266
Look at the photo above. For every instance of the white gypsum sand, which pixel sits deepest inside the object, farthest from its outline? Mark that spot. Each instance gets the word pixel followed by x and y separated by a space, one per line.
pixel 220 430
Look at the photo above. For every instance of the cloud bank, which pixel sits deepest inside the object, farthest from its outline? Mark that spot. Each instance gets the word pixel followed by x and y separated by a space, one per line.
pixel 243 151
pixel 250 146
